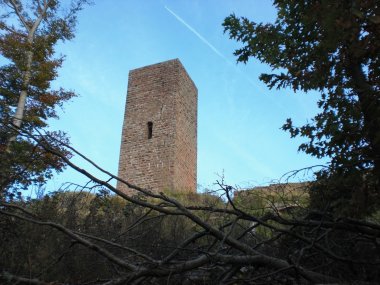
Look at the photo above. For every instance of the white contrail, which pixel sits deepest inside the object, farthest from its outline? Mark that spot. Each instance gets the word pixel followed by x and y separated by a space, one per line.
pixel 214 49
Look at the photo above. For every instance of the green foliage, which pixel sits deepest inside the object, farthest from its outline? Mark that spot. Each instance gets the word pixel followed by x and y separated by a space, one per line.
pixel 269 220
pixel 102 215
pixel 333 48
pixel 26 164
pixel 287 200
pixel 275 197
pixel 29 33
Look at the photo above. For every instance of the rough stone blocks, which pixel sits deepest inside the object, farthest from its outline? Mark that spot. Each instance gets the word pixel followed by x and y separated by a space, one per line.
pixel 159 138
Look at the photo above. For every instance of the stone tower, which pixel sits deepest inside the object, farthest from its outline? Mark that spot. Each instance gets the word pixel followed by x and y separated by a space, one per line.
pixel 159 138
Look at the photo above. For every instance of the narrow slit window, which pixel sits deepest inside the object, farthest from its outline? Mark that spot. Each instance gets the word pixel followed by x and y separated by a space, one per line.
pixel 150 130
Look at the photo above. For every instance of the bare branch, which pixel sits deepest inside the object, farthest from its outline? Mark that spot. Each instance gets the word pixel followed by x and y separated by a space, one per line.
pixel 81 240
pixel 22 280
pixel 15 5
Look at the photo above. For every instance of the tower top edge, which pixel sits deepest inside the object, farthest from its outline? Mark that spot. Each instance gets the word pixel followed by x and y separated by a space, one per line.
pixel 166 62
pixel 171 62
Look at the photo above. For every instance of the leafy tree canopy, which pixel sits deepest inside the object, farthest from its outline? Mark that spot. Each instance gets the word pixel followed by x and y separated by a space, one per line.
pixel 29 32
pixel 332 47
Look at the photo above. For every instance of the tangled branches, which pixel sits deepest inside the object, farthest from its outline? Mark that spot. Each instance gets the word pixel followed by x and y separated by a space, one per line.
pixel 257 237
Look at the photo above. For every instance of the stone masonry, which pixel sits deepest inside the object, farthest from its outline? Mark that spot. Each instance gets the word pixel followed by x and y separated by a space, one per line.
pixel 159 138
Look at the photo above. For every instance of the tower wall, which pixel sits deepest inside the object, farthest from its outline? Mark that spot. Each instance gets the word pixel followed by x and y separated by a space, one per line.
pixel 161 103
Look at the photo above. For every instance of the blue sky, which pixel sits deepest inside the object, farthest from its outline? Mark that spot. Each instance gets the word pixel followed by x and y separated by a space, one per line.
pixel 239 119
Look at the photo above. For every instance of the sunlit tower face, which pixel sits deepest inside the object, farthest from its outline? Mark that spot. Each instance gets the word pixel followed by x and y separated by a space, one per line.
pixel 159 139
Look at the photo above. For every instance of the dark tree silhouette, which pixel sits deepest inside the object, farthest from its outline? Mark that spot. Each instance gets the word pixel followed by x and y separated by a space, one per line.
pixel 333 48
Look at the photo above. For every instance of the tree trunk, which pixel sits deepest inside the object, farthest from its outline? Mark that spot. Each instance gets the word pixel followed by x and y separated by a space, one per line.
pixel 17 120
pixel 369 101
pixel 31 30
pixel 20 110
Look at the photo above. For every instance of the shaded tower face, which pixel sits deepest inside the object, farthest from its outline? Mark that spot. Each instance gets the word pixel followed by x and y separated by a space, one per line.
pixel 159 139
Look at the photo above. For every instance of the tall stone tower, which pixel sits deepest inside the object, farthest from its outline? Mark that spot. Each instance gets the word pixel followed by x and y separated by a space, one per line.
pixel 159 139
